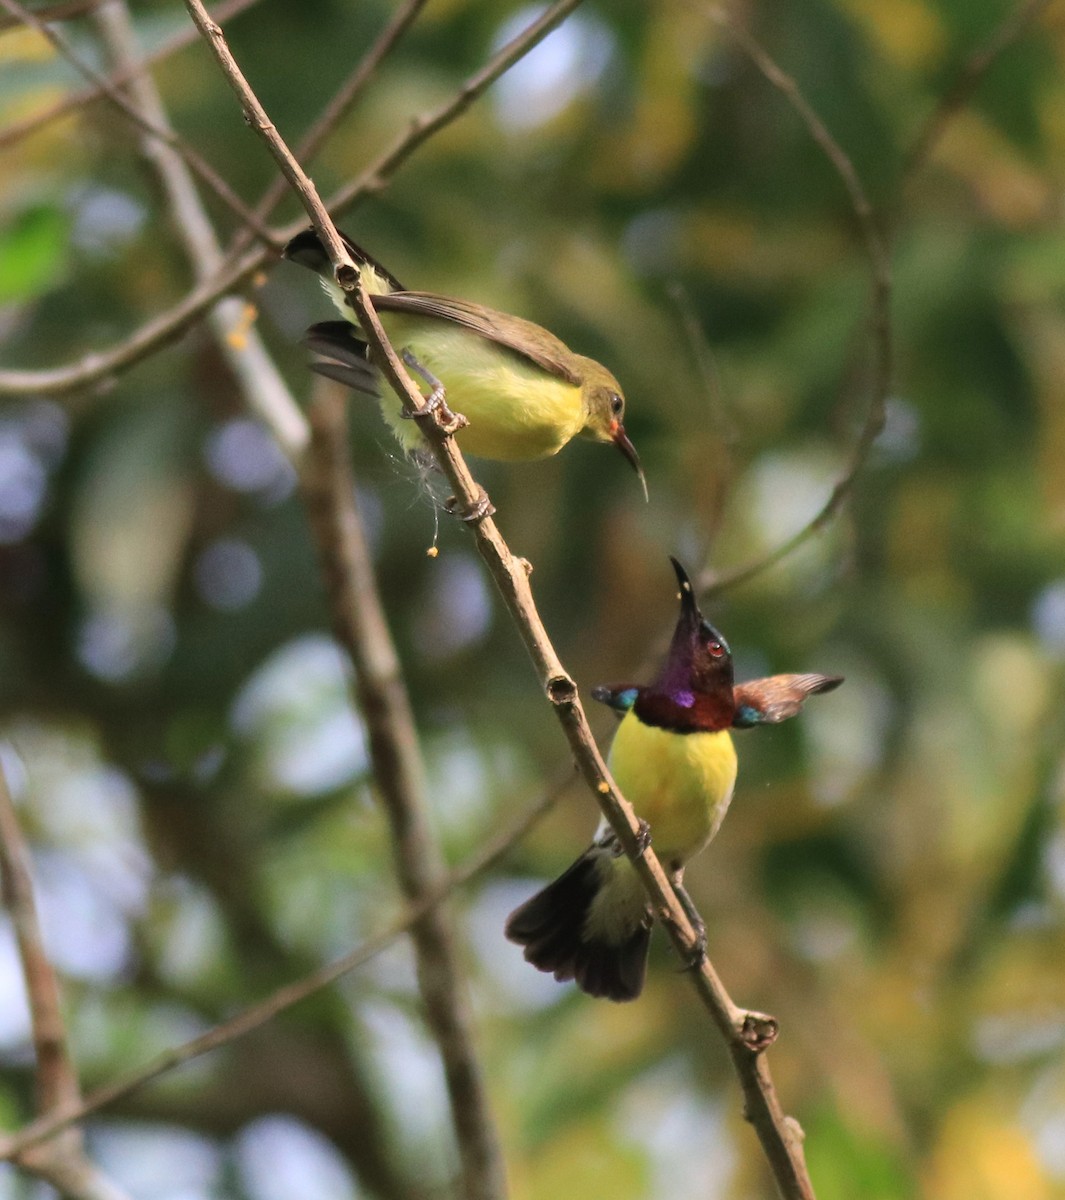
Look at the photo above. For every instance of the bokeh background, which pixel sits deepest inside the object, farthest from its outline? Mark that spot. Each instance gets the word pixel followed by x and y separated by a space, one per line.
pixel 174 715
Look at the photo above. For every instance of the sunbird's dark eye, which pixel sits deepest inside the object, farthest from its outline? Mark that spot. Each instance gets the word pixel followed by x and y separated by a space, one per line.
pixel 715 648
pixel 616 404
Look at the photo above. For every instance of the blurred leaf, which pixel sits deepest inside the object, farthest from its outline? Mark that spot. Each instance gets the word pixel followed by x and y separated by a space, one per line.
pixel 32 253
pixel 846 1163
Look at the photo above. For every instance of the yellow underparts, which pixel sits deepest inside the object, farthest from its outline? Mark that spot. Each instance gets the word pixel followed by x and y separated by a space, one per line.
pixel 516 410
pixel 681 785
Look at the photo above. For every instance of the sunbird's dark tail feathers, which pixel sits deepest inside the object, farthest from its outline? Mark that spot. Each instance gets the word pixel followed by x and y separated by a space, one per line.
pixel 552 928
pixel 345 355
pixel 306 249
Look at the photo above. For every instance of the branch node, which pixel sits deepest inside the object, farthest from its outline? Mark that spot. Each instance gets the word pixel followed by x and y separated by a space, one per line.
pixel 794 1129
pixel 758 1031
pixel 525 565
pixel 561 691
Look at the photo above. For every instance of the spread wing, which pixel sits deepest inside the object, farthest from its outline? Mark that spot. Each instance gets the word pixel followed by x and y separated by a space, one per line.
pixel 521 337
pixel 767 701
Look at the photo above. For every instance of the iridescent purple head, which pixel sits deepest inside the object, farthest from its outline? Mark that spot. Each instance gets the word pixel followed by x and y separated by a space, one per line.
pixel 693 691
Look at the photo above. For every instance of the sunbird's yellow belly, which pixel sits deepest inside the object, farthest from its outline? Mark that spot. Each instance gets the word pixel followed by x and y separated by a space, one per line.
pixel 680 783
pixel 516 410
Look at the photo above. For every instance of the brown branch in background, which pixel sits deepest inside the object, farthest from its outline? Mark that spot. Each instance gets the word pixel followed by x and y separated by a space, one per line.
pixel 53 12
pixel 722 418
pixel 256 116
pixel 425 125
pixel 335 110
pixel 264 389
pixel 877 249
pixel 99 367
pixel 747 1034
pixel 361 628
pixel 284 998
pixel 63 1162
pixel 880 327
pixel 1011 29
pixel 195 160
pixel 79 99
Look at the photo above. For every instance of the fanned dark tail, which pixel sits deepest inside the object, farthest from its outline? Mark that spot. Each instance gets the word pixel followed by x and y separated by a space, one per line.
pixel 306 249
pixel 552 928
pixel 344 354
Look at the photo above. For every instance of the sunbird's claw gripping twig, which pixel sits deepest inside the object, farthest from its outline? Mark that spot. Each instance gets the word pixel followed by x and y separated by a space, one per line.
pixel 698 950
pixel 481 507
pixel 436 402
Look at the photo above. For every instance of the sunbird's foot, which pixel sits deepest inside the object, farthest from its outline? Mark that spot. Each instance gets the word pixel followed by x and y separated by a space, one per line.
pixel 697 955
pixel 698 950
pixel 643 838
pixel 436 402
pixel 481 507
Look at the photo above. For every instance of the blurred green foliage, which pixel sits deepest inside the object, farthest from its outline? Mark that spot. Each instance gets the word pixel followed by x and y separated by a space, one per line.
pixel 891 880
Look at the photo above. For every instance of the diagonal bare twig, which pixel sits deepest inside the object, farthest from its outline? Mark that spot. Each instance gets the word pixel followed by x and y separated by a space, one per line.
pixel 99 367
pixel 747 1034
pixel 1011 29
pixel 195 160
pixel 54 12
pixel 424 126
pixel 251 1018
pixel 362 629
pixel 879 256
pixel 76 100
pixel 334 111
pixel 265 391
pixel 63 1162
pixel 361 626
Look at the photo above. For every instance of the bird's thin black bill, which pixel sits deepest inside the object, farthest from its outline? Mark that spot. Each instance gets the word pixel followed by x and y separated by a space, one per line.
pixel 621 440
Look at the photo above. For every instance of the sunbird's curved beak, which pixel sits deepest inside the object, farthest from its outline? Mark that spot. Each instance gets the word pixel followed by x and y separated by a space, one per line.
pixel 621 439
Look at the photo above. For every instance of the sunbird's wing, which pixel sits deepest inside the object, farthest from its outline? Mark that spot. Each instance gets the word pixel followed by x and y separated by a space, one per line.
pixel 767 701
pixel 522 337
pixel 344 353
pixel 619 696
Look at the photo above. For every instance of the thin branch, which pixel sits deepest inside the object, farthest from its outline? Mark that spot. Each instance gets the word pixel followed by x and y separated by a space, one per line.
pixel 257 118
pixel 63 1162
pixel 362 629
pixel 335 110
pixel 879 256
pixel 194 159
pixel 877 247
pixel 57 1083
pixel 264 389
pixel 747 1034
pixel 424 126
pixel 77 100
pixel 284 998
pixel 99 367
pixel 53 12
pixel 976 66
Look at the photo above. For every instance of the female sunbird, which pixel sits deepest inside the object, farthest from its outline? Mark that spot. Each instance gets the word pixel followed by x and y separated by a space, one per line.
pixel 674 761
pixel 524 393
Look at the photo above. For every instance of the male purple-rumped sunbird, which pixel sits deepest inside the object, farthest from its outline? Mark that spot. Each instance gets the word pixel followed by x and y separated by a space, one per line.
pixel 674 761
